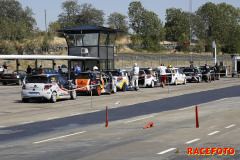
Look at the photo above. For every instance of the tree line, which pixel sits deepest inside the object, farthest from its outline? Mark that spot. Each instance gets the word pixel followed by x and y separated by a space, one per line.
pixel 211 22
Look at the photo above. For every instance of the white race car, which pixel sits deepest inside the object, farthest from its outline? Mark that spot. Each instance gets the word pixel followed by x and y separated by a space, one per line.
pixel 121 79
pixel 47 86
pixel 147 78
pixel 175 76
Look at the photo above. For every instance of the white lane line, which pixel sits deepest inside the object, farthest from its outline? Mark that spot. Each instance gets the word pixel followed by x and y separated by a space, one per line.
pixel 52 118
pixel 168 150
pixel 93 111
pixel 117 103
pixel 194 140
pixel 231 126
pixel 221 99
pixel 138 119
pixel 51 139
pixel 213 133
pixel 2 126
pixel 75 114
pixel 27 122
pixel 186 108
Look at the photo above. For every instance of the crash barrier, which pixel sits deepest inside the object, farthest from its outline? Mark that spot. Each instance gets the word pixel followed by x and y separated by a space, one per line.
pixel 106 124
pixel 197 122
pixel 148 125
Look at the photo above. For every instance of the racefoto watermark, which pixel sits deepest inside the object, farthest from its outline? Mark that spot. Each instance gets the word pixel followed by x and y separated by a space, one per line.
pixel 211 151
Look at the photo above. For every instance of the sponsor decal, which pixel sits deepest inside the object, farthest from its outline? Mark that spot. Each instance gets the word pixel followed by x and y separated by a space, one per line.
pixel 211 151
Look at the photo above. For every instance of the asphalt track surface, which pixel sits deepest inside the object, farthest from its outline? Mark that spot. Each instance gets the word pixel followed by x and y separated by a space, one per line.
pixel 172 103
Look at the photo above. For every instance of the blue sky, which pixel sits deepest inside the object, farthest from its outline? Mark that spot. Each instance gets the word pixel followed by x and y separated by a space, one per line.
pixel 53 7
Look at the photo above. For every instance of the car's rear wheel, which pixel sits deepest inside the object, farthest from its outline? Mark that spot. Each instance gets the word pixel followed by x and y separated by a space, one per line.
pixel 53 97
pixel 73 94
pixel 4 83
pixel 124 87
pixel 98 91
pixel 26 100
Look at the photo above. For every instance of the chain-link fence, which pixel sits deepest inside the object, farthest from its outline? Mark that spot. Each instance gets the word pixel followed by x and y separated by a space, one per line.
pixel 125 60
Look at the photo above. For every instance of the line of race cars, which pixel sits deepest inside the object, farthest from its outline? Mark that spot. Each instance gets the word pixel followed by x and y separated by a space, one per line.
pixel 47 84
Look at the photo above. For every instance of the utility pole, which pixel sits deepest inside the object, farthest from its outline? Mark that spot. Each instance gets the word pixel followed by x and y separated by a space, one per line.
pixel 46 21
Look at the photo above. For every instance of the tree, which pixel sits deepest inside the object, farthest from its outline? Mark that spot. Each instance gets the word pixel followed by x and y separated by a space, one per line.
pixel 53 27
pixel 90 15
pixel 220 22
pixel 181 41
pixel 147 25
pixel 76 15
pixel 177 23
pixel 16 23
pixel 118 21
pixel 70 11
pixel 135 13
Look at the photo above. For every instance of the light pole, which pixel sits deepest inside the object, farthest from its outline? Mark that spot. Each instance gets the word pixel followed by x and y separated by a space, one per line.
pixel 190 27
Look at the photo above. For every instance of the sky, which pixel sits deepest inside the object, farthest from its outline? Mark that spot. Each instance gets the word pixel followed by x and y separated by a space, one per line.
pixel 53 7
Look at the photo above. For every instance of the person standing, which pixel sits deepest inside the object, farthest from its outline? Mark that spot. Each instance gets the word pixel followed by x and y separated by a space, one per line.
pixel 217 70
pixel 135 76
pixel 60 70
pixel 163 74
pixel 207 72
pixel 4 67
pixel 77 69
pixel 29 70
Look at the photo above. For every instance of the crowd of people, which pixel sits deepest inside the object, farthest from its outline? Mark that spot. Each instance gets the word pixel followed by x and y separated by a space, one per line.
pixel 135 72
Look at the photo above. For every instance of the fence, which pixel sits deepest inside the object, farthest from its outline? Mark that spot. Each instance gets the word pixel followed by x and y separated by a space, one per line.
pixel 125 60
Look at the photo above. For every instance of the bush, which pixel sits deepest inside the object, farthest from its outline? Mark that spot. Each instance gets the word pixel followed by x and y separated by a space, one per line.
pixel 7 47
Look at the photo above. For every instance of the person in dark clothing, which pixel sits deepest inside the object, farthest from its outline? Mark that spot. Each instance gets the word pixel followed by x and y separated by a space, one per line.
pixel 60 70
pixel 72 75
pixel 29 70
pixel 217 71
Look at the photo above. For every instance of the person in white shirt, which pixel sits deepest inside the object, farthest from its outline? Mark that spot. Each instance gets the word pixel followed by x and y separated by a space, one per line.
pixel 135 76
pixel 163 74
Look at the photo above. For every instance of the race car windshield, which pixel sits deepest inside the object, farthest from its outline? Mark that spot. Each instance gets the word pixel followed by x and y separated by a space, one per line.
pixel 37 79
pixel 147 71
pixel 91 76
pixel 84 76
pixel 188 70
pixel 115 73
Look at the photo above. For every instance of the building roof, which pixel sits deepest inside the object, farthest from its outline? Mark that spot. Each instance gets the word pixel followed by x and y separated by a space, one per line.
pixel 45 57
pixel 88 28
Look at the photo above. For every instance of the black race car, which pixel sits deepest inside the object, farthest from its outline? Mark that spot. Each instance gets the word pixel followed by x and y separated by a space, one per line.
pixel 13 77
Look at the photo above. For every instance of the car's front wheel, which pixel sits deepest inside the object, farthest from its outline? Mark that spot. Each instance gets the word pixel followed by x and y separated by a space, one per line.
pixel 152 84
pixel 199 80
pixel 19 82
pixel 184 81
pixel 114 89
pixel 176 81
pixel 53 97
pixel 124 87
pixel 73 94
pixel 98 91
